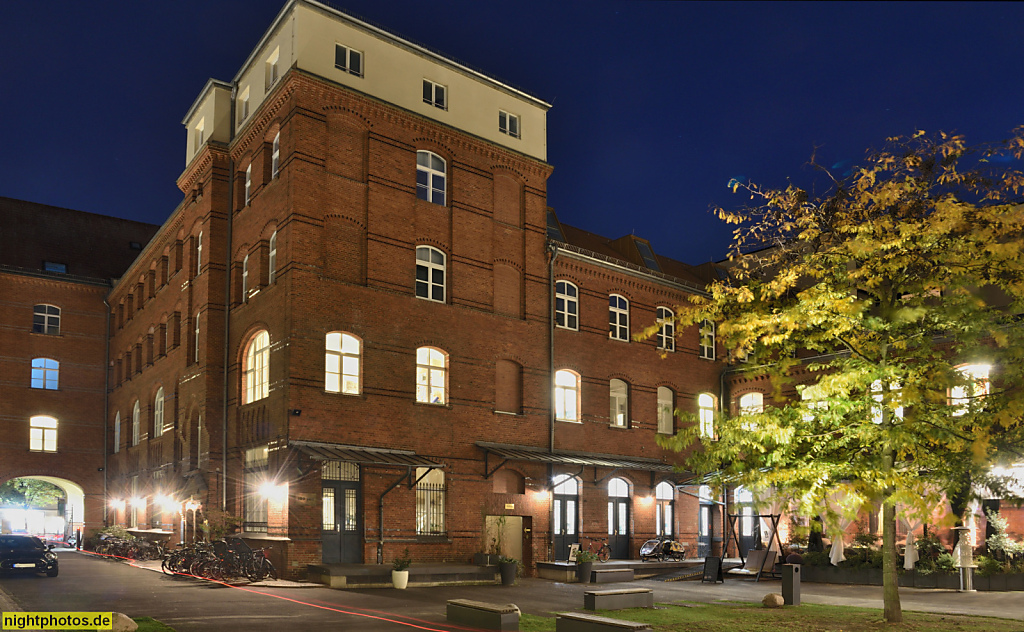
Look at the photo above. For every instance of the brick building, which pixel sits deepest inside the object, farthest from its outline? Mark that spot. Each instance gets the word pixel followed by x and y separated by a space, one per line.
pixel 56 268
pixel 363 329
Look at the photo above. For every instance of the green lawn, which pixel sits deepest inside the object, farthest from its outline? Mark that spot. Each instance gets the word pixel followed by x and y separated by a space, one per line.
pixel 741 617
pixel 149 624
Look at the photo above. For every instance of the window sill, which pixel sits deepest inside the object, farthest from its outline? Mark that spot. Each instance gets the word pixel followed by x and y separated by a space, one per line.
pixel 430 405
pixel 618 427
pixel 569 421
pixel 509 413
pixel 439 538
pixel 356 395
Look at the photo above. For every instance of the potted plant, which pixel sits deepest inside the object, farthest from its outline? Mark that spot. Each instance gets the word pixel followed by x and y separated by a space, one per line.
pixel 400 570
pixel 509 568
pixel 584 564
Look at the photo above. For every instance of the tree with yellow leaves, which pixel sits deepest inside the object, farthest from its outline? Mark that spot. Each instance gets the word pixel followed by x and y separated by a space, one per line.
pixel 901 290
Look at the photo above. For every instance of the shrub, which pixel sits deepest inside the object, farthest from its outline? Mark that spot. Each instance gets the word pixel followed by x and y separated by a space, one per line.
pixel 988 565
pixel 402 562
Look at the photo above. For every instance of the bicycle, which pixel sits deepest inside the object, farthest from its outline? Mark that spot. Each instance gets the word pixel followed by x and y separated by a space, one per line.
pixel 603 552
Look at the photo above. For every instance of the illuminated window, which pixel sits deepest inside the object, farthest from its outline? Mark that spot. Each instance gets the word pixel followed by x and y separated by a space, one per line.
pixel 199 254
pixel 567 389
pixel 42 435
pixel 45 373
pixel 256 379
pixel 664 495
pixel 245 279
pixel 117 432
pixel 666 406
pixel 706 414
pixel 136 424
pixel 431 376
pixel 618 395
pixel 966 397
pixel 342 370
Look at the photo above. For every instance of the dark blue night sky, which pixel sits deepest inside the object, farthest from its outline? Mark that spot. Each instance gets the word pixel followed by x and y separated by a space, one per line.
pixel 657 105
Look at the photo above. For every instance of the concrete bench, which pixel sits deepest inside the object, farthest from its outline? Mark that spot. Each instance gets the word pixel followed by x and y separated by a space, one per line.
pixel 611 575
pixel 479 614
pixel 617 599
pixel 579 622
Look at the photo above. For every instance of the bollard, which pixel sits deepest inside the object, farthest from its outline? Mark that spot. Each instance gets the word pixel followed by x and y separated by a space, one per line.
pixel 791 584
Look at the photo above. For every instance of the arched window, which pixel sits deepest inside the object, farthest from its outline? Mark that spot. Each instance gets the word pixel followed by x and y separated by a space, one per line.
pixel 136 428
pixel 256 379
pixel 275 156
pixel 342 364
pixel 45 373
pixel 618 488
pixel 199 253
pixel 566 305
pixel 158 413
pixel 430 177
pixel 195 349
pixel 431 376
pixel 618 318
pixel 272 259
pixel 666 338
pixel 430 273
pixel 664 495
pixel 42 434
pixel 751 404
pixel 248 184
pixel 618 510
pixel 46 319
pixel 666 406
pixel 618 397
pixel 565 484
pixel 117 432
pixel 567 401
pixel 706 414
pixel 245 279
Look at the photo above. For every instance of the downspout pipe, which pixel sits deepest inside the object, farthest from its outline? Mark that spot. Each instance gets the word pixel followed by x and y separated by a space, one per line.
pixel 106 408
pixel 227 314
pixel 552 253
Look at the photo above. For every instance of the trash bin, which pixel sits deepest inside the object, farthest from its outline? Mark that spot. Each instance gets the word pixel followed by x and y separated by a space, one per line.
pixel 791 584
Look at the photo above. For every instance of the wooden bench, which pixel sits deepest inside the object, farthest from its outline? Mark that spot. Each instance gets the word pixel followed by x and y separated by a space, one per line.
pixel 611 575
pixel 580 622
pixel 617 599
pixel 479 614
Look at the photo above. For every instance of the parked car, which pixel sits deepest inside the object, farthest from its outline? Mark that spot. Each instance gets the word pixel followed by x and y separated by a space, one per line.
pixel 26 554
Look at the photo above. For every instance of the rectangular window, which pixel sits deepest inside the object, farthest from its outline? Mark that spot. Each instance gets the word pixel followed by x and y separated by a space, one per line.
pixel 52 266
pixel 430 497
pixel 434 94
pixel 198 135
pixel 42 435
pixel 243 106
pixel 666 405
pixel 248 184
pixel 272 72
pixel 508 124
pixel 349 60
pixel 618 394
pixel 566 305
pixel 707 340
pixel 256 467
pixel 329 523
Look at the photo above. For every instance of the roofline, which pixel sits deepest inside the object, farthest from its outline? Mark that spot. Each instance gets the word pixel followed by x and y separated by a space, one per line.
pixel 394 39
pixel 210 83
pixel 589 256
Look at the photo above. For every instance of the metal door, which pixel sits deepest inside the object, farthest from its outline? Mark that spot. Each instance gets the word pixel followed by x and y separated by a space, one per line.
pixel 566 515
pixel 341 533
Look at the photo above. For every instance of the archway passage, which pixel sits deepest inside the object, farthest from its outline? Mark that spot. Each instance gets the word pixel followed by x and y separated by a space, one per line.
pixel 50 507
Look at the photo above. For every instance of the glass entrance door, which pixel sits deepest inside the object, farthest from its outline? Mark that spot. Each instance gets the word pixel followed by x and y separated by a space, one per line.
pixel 618 518
pixel 341 533
pixel 566 515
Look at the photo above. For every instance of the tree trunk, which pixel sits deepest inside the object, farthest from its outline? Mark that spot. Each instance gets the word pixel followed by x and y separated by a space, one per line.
pixel 890 581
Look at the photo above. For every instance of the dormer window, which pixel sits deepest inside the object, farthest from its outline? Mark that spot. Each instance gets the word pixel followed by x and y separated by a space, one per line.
pixel 53 266
pixel 199 135
pixel 243 105
pixel 508 124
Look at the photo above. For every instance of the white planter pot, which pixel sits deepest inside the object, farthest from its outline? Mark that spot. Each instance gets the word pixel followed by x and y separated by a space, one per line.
pixel 400 579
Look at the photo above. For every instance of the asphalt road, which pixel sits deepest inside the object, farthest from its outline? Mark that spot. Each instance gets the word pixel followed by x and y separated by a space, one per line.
pixel 88 583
